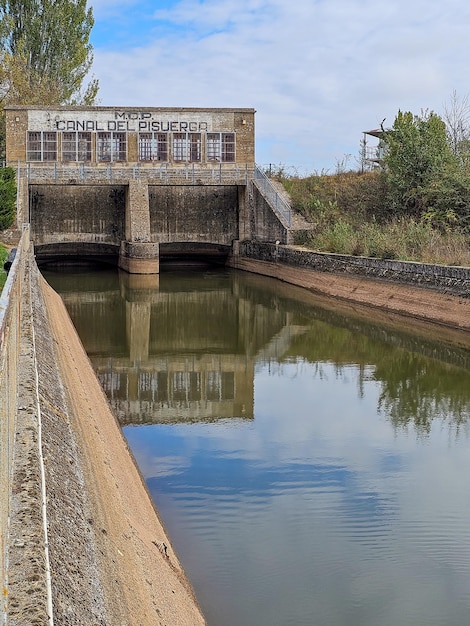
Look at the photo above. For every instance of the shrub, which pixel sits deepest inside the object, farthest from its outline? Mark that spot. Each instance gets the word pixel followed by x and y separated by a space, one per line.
pixel 7 197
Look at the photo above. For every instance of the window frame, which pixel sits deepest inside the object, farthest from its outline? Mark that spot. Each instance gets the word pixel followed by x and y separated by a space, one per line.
pixel 43 145
pixel 111 146
pixel 156 149
pixel 79 145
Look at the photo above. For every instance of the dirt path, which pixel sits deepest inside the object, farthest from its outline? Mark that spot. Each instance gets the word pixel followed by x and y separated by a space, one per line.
pixel 142 579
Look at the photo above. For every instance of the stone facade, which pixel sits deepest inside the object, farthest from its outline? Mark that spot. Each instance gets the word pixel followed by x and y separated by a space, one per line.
pixel 145 135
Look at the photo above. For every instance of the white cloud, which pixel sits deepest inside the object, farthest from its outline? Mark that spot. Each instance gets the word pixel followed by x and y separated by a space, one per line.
pixel 318 73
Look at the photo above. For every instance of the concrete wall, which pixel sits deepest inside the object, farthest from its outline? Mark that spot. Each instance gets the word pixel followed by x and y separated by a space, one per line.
pixel 265 225
pixel 69 213
pixel 451 280
pixel 194 214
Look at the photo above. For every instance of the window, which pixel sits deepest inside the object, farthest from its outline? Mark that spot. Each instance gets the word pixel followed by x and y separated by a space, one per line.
pixel 41 146
pixel 213 146
pixel 195 147
pixel 76 146
pixel 153 147
pixel 228 147
pixel 34 149
pixel 111 147
pixel 180 147
pixel 221 147
pixel 186 147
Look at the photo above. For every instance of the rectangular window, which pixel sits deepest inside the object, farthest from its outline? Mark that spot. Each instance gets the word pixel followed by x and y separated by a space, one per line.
pixel 34 146
pixel 76 146
pixel 111 146
pixel 41 146
pixel 221 147
pixel 195 147
pixel 153 147
pixel 180 147
pixel 84 147
pixel 103 147
pixel 228 147
pixel 187 147
pixel 49 140
pixel 213 146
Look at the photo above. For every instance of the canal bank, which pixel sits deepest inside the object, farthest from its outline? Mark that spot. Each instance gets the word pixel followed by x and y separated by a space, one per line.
pixel 85 543
pixel 429 293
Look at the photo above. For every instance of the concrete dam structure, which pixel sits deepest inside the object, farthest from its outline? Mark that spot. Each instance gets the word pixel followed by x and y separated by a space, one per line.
pixel 131 186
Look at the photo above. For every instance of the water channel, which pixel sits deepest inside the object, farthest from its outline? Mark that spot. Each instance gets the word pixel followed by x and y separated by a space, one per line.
pixel 309 460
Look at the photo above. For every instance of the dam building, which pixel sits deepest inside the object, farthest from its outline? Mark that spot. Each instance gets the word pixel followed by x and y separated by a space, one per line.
pixel 133 185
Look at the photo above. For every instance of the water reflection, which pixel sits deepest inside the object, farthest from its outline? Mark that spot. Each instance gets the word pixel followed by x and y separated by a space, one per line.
pixel 185 348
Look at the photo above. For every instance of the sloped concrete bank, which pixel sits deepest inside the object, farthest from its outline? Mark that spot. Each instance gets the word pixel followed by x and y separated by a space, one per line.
pixel 85 544
pixel 431 293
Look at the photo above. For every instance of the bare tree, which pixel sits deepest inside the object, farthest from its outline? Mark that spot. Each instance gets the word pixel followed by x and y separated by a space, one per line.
pixel 457 119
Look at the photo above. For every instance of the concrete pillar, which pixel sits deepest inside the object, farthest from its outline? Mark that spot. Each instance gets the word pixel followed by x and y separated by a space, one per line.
pixel 138 254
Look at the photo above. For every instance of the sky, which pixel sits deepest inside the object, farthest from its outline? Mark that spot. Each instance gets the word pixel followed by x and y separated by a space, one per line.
pixel 318 72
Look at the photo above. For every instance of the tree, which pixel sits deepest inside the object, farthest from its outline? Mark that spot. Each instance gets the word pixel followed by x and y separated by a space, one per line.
pixel 7 196
pixel 418 155
pixel 50 39
pixel 457 119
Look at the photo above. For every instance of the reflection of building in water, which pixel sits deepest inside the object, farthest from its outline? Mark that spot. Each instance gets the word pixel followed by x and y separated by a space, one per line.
pixel 179 389
pixel 183 351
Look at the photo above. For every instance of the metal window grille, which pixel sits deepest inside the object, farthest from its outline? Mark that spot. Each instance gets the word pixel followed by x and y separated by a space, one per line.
pixel 213 146
pixel 180 147
pixel 111 146
pixel 228 147
pixel 119 146
pixel 153 147
pixel 103 147
pixel 34 146
pixel 146 151
pixel 195 147
pixel 69 146
pixel 84 147
pixel 49 141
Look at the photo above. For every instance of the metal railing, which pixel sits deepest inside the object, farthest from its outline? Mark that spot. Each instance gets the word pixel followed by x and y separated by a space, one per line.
pixel 165 174
pixel 159 174
pixel 279 205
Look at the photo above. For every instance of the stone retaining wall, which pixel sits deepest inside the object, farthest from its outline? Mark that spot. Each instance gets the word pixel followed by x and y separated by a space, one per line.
pixel 445 279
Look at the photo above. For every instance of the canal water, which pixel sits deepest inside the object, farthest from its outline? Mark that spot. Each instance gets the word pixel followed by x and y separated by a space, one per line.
pixel 310 461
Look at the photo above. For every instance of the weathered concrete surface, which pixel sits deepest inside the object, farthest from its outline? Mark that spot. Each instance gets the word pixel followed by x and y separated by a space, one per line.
pixel 98 530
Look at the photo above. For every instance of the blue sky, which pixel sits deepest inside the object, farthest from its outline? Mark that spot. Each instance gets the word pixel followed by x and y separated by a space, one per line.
pixel 318 72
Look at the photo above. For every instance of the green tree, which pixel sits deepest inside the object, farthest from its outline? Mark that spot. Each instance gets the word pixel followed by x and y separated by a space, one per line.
pixel 7 197
pixel 50 38
pixel 418 157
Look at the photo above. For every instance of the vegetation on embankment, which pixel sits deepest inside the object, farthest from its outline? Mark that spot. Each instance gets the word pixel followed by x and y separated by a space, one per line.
pixel 347 216
pixel 3 274
pixel 414 206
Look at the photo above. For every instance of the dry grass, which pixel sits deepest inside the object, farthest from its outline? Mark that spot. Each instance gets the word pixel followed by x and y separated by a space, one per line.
pixel 349 215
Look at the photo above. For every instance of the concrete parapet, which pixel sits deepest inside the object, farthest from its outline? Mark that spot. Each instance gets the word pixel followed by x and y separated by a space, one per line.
pixel 10 312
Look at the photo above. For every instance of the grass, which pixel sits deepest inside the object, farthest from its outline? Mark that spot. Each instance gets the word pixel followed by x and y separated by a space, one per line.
pixel 348 215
